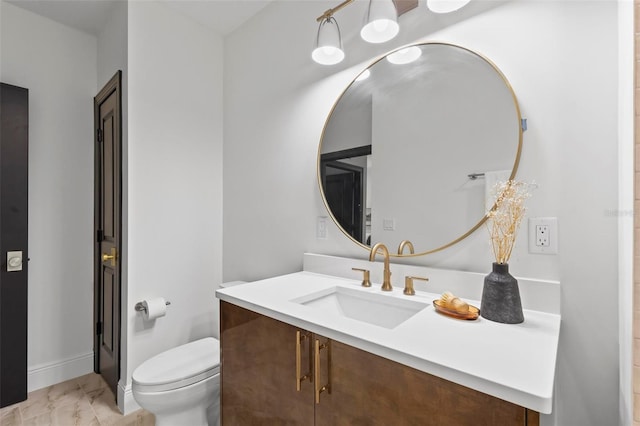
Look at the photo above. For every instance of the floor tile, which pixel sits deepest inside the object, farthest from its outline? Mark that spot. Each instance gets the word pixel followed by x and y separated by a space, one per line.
pixel 37 403
pixel 137 418
pixel 44 419
pixel 78 413
pixel 91 382
pixel 83 401
pixel 10 416
pixel 103 404
pixel 48 399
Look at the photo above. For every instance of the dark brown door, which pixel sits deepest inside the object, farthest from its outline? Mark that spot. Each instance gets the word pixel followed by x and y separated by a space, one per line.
pixel 108 214
pixel 14 178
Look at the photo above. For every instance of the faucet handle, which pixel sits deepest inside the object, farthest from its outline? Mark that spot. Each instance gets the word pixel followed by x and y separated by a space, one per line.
pixel 408 284
pixel 366 277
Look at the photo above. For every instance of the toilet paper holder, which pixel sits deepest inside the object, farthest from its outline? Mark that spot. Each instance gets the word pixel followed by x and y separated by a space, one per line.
pixel 141 308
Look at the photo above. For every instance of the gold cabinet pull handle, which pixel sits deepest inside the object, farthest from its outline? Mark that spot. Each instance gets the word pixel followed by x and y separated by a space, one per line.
pixel 318 388
pixel 112 257
pixel 300 337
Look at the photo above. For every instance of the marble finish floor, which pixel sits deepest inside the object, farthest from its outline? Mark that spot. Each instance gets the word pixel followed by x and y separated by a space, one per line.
pixel 83 401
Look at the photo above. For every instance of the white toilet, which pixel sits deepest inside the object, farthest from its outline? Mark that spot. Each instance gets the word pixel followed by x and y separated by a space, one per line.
pixel 182 385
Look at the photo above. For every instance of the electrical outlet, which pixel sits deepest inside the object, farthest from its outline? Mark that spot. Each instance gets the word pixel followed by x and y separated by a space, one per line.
pixel 543 235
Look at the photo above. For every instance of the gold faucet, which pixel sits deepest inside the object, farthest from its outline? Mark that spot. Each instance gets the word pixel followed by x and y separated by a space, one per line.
pixel 386 282
pixel 408 244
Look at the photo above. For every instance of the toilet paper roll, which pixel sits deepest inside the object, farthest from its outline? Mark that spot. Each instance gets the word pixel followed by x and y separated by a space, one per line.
pixel 154 308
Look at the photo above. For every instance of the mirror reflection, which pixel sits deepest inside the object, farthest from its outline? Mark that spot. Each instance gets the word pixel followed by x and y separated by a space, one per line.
pixel 399 146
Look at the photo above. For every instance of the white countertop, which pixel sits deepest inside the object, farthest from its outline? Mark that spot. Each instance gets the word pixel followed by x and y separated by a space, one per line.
pixel 514 362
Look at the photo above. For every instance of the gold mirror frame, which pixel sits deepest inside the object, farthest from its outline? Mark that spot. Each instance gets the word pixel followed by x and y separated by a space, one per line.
pixel 485 217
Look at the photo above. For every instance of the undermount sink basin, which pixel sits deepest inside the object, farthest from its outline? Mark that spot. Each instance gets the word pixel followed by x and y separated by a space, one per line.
pixel 373 308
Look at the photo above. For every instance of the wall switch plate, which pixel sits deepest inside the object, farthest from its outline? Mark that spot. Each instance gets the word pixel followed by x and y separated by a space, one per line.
pixel 389 224
pixel 321 228
pixel 543 235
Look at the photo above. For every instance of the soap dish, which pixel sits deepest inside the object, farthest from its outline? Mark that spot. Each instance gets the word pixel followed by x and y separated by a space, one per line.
pixel 471 315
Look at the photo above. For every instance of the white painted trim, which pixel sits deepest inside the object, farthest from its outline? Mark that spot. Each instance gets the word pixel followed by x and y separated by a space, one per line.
pixel 126 403
pixel 625 206
pixel 43 375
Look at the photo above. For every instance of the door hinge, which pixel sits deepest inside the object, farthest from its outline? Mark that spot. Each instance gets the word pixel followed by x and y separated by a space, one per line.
pixel 99 135
pixel 99 328
pixel 99 235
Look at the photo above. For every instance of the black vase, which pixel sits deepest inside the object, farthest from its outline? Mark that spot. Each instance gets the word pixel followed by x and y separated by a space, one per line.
pixel 501 296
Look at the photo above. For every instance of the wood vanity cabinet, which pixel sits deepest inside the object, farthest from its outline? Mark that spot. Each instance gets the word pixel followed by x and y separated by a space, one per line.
pixel 259 371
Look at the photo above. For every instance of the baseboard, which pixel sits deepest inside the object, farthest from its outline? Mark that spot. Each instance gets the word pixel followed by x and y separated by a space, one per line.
pixel 126 403
pixel 43 375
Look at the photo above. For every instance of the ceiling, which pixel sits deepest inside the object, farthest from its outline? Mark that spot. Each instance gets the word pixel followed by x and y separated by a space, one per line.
pixel 90 16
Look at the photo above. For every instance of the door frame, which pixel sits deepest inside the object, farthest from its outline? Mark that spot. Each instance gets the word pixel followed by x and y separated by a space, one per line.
pixel 114 85
pixel 332 159
pixel 355 229
pixel 14 228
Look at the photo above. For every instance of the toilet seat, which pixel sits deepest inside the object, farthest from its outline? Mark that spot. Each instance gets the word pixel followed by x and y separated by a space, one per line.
pixel 178 367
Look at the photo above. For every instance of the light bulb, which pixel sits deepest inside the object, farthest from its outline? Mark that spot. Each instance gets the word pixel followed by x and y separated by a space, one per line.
pixel 405 56
pixel 328 49
pixel 446 6
pixel 364 75
pixel 380 30
pixel 380 22
pixel 327 55
pixel 380 25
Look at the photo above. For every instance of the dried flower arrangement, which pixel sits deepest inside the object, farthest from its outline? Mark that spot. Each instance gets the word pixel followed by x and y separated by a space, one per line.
pixel 504 219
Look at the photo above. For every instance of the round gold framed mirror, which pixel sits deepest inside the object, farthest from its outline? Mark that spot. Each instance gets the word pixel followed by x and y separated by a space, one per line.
pixel 412 146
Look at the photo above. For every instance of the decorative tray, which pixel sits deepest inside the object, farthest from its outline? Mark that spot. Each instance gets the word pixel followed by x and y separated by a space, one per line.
pixel 471 315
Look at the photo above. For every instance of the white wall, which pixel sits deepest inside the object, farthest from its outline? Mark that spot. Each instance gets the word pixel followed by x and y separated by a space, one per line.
pixel 626 205
pixel 422 155
pixel 342 133
pixel 58 66
pixel 174 180
pixel 565 75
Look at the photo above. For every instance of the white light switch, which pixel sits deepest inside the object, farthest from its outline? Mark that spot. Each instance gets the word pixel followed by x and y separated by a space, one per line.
pixel 14 261
pixel 389 224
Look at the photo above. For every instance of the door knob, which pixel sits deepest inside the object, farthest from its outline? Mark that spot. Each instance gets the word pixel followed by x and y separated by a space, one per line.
pixel 112 257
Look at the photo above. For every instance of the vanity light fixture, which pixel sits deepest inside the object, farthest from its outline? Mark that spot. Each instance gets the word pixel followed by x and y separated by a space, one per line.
pixel 381 22
pixel 405 56
pixel 380 25
pixel 328 50
pixel 446 6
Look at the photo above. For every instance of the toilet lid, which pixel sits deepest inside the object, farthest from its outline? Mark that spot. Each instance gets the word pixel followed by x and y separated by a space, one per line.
pixel 178 367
